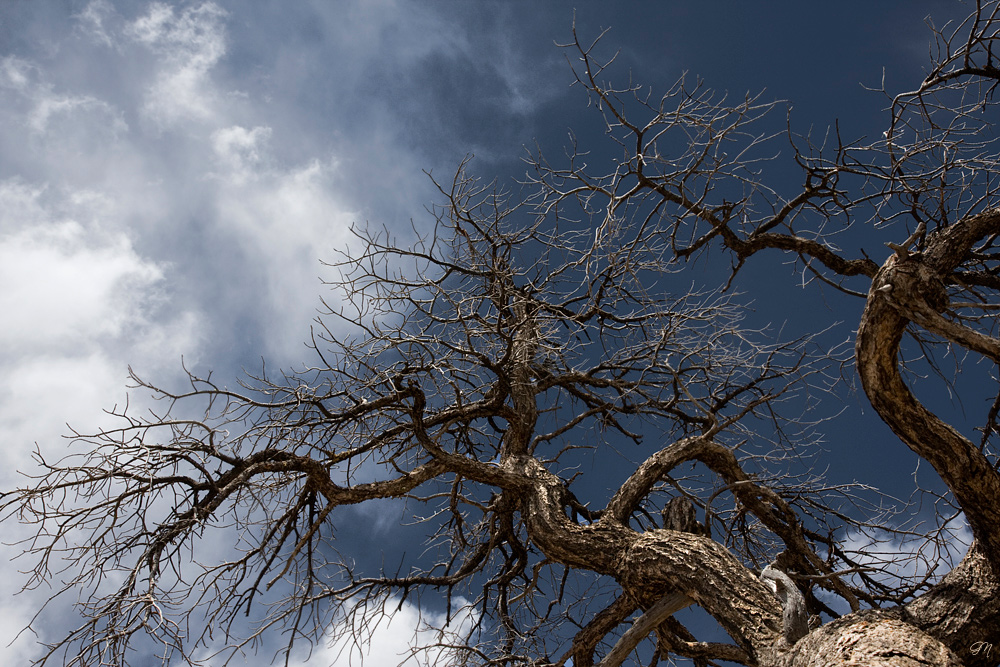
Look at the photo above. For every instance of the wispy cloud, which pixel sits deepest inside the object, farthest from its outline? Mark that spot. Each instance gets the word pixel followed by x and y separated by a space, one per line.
pixel 171 176
pixel 44 105
pixel 143 221
pixel 394 636
pixel 188 44
pixel 93 22
pixel 78 302
pixel 78 299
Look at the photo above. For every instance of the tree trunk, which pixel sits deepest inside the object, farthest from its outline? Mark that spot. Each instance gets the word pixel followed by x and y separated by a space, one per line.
pixel 963 610
pixel 870 638
pixel 960 612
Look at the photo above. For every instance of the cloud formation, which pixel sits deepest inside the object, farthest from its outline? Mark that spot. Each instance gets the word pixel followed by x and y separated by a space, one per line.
pixel 188 44
pixel 395 638
pixel 156 202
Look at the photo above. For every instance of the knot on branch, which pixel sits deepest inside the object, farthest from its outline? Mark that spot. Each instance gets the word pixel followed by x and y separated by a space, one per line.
pixel 679 514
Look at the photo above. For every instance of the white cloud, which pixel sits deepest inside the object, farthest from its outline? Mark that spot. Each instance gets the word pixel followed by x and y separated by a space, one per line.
pixel 895 557
pixel 188 45
pixel 284 219
pixel 79 303
pixel 910 557
pixel 389 640
pixel 138 242
pixel 69 288
pixel 93 21
pixel 213 180
pixel 21 77
pixel 16 647
pixel 15 73
pixel 387 635
pixel 239 150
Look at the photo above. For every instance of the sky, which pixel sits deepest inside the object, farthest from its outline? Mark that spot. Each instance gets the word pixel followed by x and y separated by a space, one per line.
pixel 172 173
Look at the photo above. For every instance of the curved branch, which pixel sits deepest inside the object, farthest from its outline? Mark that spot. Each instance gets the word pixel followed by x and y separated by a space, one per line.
pixel 661 561
pixel 645 624
pixel 965 470
pixel 587 639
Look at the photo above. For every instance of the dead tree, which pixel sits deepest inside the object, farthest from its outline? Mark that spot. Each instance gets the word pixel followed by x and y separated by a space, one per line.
pixel 524 337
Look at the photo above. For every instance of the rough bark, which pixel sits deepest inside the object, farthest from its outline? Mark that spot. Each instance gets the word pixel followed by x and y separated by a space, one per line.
pixel 679 514
pixel 963 611
pixel 869 639
pixel 658 561
pixel 911 288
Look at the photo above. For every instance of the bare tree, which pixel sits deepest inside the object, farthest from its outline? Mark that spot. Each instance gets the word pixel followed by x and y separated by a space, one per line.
pixel 529 334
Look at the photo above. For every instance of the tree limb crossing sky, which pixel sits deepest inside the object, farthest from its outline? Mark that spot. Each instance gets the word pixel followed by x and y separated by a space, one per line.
pixel 171 173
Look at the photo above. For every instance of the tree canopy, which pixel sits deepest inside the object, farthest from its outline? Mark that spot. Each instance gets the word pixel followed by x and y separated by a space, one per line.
pixel 487 373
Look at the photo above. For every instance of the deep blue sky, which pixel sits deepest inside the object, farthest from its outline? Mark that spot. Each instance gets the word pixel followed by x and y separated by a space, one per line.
pixel 171 173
